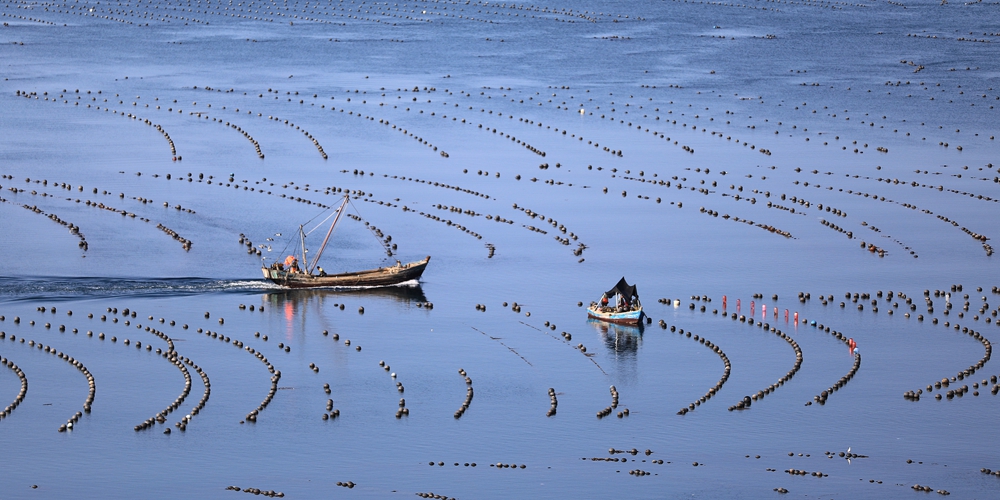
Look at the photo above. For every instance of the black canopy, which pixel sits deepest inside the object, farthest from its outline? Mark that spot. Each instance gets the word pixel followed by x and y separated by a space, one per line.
pixel 627 291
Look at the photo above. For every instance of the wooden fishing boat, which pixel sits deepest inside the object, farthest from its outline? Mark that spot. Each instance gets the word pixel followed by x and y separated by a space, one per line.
pixel 290 274
pixel 383 276
pixel 626 310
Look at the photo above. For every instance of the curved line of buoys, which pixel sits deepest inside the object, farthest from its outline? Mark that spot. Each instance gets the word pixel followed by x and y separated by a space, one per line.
pixel 718 351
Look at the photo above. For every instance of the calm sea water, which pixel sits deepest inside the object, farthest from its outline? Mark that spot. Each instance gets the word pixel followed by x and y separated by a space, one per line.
pixel 806 119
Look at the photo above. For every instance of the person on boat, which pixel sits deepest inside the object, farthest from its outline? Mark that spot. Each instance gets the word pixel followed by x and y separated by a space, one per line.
pixel 604 302
pixel 292 263
pixel 321 271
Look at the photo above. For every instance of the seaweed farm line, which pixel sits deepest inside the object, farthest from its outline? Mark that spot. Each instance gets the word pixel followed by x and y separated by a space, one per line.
pixel 803 193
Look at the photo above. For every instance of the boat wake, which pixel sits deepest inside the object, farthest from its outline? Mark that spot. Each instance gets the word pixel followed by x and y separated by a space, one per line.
pixel 62 288
pixel 406 284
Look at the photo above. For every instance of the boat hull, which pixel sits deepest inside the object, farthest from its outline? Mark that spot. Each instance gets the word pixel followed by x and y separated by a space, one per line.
pixel 383 276
pixel 621 318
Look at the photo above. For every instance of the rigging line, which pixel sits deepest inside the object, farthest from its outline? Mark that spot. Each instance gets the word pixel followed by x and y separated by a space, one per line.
pixel 384 244
pixel 496 339
pixel 321 223
pixel 286 246
pixel 292 239
pixel 557 338
pixel 321 212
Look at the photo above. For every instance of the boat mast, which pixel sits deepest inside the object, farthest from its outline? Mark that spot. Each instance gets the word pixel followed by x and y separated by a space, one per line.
pixel 326 240
pixel 302 236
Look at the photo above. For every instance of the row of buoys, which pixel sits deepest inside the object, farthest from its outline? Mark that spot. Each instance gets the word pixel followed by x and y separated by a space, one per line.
pixel 831 210
pixel 73 229
pixel 553 403
pixel 514 138
pixel 747 400
pixel 847 455
pixel 500 465
pixel 304 132
pixel 245 240
pixel 173 148
pixel 928 489
pixel 577 252
pixel 447 222
pixel 767 227
pixel 275 377
pixel 403 131
pixel 990 472
pixel 614 403
pixel 840 383
pixel 800 472
pixel 424 181
pixel 633 452
pixel 24 382
pixel 911 206
pixel 26 18
pixel 330 413
pixel 491 249
pixel 968 372
pixel 539 124
pixel 171 355
pixel 403 410
pixel 256 145
pixel 822 397
pixel 722 355
pixel 434 495
pixel 527 146
pixel 145 15
pixel 573 17
pixel 91 388
pixel 468 394
pixel 185 243
pixel 257 491
pixel 182 425
pixel 161 417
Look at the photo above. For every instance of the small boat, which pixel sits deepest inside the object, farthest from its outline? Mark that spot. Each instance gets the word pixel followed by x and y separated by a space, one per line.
pixel 626 308
pixel 290 274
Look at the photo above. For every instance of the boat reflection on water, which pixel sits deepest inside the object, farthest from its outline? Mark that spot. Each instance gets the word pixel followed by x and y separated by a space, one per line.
pixel 304 297
pixel 620 339
pixel 302 309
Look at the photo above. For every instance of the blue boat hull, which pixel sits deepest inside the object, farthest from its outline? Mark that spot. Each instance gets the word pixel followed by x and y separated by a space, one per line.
pixel 623 318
